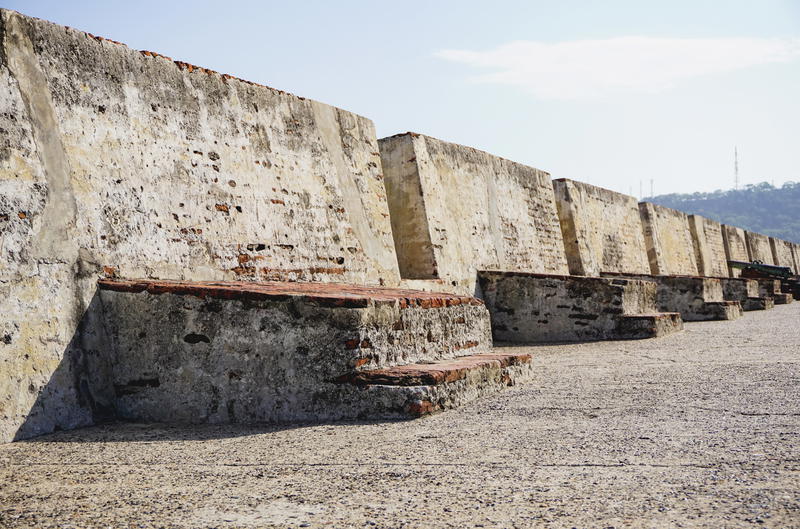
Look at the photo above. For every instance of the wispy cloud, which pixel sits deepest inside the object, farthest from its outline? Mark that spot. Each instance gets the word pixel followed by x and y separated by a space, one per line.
pixel 584 69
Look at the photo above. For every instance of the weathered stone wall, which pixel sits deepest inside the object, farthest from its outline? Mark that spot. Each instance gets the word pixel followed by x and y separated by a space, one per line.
pixel 735 247
pixel 456 210
pixel 709 248
pixel 667 235
pixel 602 229
pixel 126 163
pixel 796 256
pixel 782 253
pixel 758 247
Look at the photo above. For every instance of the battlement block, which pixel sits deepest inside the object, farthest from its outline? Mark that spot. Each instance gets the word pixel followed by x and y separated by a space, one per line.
pixel 758 248
pixel 455 209
pixel 670 248
pixel 735 247
pixel 602 229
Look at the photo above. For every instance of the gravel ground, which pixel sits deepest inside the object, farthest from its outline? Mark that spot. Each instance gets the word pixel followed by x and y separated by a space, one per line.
pixel 698 429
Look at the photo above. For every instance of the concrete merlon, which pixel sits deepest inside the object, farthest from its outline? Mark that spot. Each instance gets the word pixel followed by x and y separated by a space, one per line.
pixel 602 229
pixel 412 236
pixel 457 209
pixel 782 254
pixel 758 247
pixel 735 247
pixel 709 246
pixel 670 248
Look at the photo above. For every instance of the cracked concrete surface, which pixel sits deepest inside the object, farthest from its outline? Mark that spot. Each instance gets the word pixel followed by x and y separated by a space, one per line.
pixel 697 429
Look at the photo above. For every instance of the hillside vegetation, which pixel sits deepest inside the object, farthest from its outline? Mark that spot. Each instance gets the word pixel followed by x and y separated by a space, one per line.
pixel 762 208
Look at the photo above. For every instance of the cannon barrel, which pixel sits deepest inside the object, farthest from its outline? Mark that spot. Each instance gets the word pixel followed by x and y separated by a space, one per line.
pixel 761 269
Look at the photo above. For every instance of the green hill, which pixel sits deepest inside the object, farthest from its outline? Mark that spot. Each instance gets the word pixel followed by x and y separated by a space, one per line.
pixel 761 208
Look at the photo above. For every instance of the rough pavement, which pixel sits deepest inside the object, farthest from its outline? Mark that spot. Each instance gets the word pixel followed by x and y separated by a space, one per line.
pixel 698 429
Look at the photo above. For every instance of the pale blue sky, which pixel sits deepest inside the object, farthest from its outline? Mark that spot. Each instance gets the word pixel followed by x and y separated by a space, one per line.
pixel 572 97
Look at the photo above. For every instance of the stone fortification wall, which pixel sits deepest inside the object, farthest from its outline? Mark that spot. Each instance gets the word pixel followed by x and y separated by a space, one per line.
pixel 126 163
pixel 735 247
pixel 796 256
pixel 669 241
pixel 758 247
pixel 709 247
pixel 602 230
pixel 456 210
pixel 782 253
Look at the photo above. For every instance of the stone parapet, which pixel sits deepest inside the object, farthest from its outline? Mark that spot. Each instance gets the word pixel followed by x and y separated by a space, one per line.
pixel 758 248
pixel 668 237
pixel 735 247
pixel 602 229
pixel 455 210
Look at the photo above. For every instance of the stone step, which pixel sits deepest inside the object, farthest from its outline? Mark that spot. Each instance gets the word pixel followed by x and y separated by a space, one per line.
pixel 758 303
pixel 783 298
pixel 649 325
pixel 535 308
pixel 271 351
pixel 696 298
pixel 746 292
pixel 414 390
pixel 715 310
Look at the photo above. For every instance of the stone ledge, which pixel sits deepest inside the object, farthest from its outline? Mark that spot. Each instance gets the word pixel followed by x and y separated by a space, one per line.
pixel 537 308
pixel 758 303
pixel 642 326
pixel 434 373
pixel 319 294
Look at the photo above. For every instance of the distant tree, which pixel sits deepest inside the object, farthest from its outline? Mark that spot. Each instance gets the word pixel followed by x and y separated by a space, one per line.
pixel 763 208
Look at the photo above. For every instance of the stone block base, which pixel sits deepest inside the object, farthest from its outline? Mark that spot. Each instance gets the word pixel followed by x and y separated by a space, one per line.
pixel 414 390
pixel 759 303
pixel 275 352
pixel 695 298
pixel 773 288
pixel 532 308
pixel 782 298
pixel 746 292
pixel 791 286
pixel 649 325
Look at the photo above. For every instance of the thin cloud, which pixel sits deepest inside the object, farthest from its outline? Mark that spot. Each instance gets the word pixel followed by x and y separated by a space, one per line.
pixel 586 69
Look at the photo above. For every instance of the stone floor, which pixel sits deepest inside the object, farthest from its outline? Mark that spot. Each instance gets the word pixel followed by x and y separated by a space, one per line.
pixel 696 429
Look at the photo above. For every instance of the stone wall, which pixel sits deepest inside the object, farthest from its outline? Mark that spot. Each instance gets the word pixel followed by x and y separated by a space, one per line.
pixel 782 253
pixel 602 229
pixel 456 210
pixel 758 247
pixel 796 256
pixel 735 247
pixel 669 241
pixel 709 248
pixel 125 163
